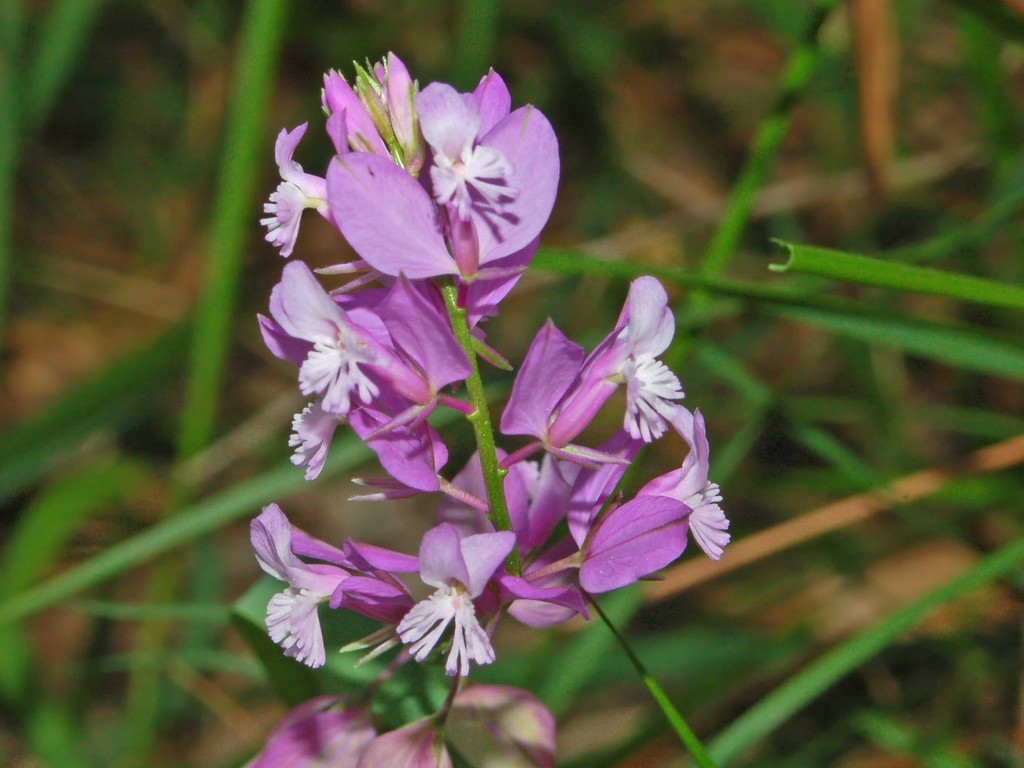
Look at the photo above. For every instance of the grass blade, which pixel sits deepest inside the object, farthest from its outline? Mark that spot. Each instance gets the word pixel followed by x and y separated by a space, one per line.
pixel 202 518
pixel 958 347
pixel 799 68
pixel 232 215
pixel 39 539
pixel 10 117
pixel 804 687
pixel 60 40
pixel 672 715
pixel 864 270
pixel 474 40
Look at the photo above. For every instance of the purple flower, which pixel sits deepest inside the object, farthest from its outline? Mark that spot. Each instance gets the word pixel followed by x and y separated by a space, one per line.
pixel 296 192
pixel 292 618
pixel 494 178
pixel 376 115
pixel 416 745
pixel 459 568
pixel 421 332
pixel 465 173
pixel 400 91
pixel 371 588
pixel 500 725
pixel 629 355
pixel 689 484
pixel 548 402
pixel 320 732
pixel 352 124
pixel 336 350
pixel 347 351
pixel 312 432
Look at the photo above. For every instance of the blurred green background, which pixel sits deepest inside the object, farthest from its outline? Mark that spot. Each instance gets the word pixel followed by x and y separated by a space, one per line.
pixel 868 441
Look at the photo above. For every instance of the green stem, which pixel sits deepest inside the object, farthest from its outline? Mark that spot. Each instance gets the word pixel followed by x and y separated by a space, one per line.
pixel 481 421
pixel 675 719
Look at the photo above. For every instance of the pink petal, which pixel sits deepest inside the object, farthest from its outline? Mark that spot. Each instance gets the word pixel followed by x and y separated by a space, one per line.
pixel 527 140
pixel 339 98
pixel 548 371
pixel 424 334
pixel 270 534
pixel 632 541
pixel 416 745
pixel 441 560
pixel 508 727
pixel 483 554
pixel 449 122
pixel 281 344
pixel 387 217
pixel 301 305
pixel 317 732
pixel 494 99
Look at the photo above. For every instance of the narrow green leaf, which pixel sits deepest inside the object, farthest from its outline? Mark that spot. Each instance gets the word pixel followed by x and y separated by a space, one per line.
pixel 853 268
pixel 805 686
pixel 54 735
pixel 1001 16
pixel 11 95
pixel 800 66
pixel 838 456
pixel 564 261
pixel 232 216
pixel 60 41
pixel 189 613
pixel 952 345
pixel 39 540
pixel 997 113
pixel 202 518
pixel 894 736
pixel 55 514
pixel 672 715
pixel 474 40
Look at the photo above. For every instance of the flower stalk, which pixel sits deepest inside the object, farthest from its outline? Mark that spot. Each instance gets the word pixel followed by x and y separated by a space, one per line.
pixel 494 475
pixel 675 719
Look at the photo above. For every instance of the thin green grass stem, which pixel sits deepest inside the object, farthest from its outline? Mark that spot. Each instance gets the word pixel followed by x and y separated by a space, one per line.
pixel 804 687
pixel 199 520
pixel 880 273
pixel 763 149
pixel 675 719
pixel 765 145
pixel 61 38
pixel 494 475
pixel 231 218
pixel 997 113
pixel 11 13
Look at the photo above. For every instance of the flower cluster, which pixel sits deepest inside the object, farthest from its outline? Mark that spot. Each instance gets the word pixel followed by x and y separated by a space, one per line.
pixel 442 195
